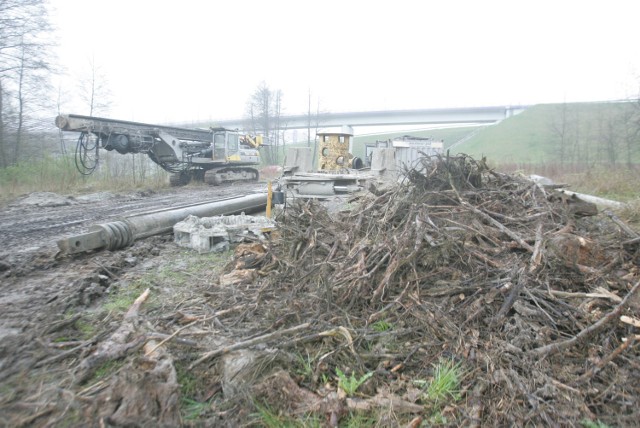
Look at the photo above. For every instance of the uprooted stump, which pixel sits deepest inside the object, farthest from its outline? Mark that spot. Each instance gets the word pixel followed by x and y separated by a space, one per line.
pixel 144 393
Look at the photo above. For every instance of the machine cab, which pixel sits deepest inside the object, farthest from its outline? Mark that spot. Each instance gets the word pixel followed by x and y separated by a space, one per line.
pixel 225 145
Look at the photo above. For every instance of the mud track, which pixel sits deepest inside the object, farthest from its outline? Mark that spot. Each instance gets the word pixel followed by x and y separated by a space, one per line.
pixel 37 286
pixel 37 221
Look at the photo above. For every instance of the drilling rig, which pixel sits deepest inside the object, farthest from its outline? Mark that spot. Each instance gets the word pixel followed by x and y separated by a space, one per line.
pixel 214 155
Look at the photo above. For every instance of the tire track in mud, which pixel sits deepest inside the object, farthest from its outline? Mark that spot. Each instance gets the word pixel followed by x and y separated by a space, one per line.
pixel 26 227
pixel 36 288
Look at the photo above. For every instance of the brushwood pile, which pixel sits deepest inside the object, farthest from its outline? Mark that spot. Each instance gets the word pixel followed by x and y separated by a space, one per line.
pixel 519 288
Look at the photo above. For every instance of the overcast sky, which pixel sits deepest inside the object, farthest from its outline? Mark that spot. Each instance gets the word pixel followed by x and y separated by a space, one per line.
pixel 194 60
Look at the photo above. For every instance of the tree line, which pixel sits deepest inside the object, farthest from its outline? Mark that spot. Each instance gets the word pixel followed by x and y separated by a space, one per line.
pixel 25 66
pixel 587 133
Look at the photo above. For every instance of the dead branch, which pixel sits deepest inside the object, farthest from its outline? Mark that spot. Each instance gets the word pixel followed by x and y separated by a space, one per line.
pixel 604 361
pixel 500 226
pixel 554 348
pixel 622 225
pixel 513 295
pixel 245 344
pixel 118 344
pixel 384 401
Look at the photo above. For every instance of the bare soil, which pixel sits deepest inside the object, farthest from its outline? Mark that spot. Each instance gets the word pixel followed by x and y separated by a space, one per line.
pixel 520 291
pixel 43 295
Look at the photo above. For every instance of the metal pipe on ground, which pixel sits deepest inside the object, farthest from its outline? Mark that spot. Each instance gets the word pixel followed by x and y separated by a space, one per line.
pixel 119 234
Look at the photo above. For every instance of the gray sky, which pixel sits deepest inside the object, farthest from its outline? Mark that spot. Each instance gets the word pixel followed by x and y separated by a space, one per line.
pixel 195 60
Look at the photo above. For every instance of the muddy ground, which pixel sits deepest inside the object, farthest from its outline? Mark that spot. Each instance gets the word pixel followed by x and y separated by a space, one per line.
pixel 43 296
pixel 343 317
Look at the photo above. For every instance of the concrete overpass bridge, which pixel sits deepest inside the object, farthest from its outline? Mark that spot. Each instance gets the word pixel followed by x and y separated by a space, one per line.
pixel 435 116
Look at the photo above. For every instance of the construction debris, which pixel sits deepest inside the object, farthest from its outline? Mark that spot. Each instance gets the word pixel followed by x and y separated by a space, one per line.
pixel 214 234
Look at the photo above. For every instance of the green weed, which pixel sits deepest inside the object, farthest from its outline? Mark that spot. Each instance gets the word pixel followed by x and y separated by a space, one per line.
pixel 105 370
pixel 195 401
pixel 269 418
pixel 445 384
pixel 443 389
pixel 59 174
pixel 359 420
pixel 351 384
pixel 587 423
pixel 193 409
pixel 87 329
pixel 381 326
pixel 324 378
pixel 122 300
pixel 306 365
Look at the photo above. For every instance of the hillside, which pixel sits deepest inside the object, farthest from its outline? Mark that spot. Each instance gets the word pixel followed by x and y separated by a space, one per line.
pixel 574 133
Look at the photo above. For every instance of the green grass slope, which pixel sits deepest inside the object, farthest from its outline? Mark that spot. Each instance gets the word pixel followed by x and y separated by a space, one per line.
pixel 583 133
pixel 522 138
pixel 576 133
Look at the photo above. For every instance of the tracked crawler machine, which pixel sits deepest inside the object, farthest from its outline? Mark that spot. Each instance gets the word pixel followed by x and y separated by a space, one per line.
pixel 214 155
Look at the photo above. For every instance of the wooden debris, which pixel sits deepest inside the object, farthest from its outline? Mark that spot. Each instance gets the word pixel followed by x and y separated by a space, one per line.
pixel 246 343
pixel 118 344
pixel 480 266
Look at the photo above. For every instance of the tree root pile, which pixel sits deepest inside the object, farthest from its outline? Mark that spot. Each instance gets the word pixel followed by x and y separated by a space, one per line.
pixel 461 263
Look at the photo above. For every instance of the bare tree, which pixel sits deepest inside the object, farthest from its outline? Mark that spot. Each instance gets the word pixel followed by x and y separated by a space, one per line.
pixel 94 89
pixel 608 120
pixel 630 129
pixel 313 125
pixel 264 110
pixel 560 128
pixel 24 67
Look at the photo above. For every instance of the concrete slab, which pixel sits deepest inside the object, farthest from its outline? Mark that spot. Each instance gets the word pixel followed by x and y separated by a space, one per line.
pixel 215 234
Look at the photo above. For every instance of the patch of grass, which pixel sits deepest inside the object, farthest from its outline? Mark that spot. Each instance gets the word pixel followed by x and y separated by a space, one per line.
pixel 448 135
pixel 195 390
pixel 105 370
pixel 359 420
pixel 351 384
pixel 437 418
pixel 72 418
pixel 192 385
pixel 305 365
pixel 445 384
pixel 441 391
pixel 187 268
pixel 381 326
pixel 587 423
pixel 188 382
pixel 267 417
pixel 192 409
pixel 59 174
pixel 122 299
pixel 87 329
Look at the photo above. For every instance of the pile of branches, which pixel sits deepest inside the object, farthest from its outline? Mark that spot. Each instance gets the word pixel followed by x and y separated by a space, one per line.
pixel 493 271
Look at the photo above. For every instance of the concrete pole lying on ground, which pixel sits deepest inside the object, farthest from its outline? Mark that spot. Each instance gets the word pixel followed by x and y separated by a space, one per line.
pixel 119 234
